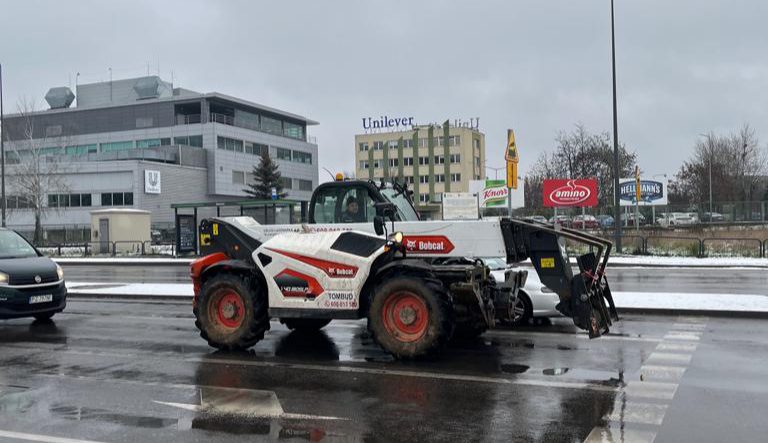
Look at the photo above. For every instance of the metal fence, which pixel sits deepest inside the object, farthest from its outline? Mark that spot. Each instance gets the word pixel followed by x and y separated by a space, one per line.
pixel 109 249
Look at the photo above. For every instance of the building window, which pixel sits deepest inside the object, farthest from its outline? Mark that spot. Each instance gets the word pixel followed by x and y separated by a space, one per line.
pixel 455 158
pixel 305 185
pixel 409 179
pixel 392 144
pixel 229 144
pixel 293 131
pixel 50 151
pixel 69 200
pixel 477 161
pixel 476 143
pixel 393 162
pixel 115 146
pixel 408 161
pixel 363 164
pixel 151 143
pixel 287 183
pixel 256 148
pixel 439 178
pixel 408 143
pixel 477 176
pixel 283 154
pixel 271 125
pixel 455 177
pixel 302 157
pixel 363 146
pixel 423 179
pixel 81 149
pixel 376 164
pixel 192 140
pixel 144 122
pixel 423 161
pixel 424 198
pixel 378 146
pixel 117 199
pixel 455 140
pixel 238 178
pixel 439 160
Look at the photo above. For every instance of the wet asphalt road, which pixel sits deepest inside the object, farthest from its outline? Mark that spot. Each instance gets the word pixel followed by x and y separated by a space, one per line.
pixel 686 280
pixel 111 371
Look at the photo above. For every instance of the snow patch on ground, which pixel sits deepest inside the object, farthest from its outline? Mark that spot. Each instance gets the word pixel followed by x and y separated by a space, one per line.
pixel 641 300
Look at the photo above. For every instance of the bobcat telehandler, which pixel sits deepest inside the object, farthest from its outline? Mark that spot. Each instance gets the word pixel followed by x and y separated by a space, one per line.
pixel 416 282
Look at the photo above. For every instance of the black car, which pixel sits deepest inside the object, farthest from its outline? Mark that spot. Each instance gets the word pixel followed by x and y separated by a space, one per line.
pixel 31 285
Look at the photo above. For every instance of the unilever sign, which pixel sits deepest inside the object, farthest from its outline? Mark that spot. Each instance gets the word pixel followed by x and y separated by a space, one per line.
pixel 651 192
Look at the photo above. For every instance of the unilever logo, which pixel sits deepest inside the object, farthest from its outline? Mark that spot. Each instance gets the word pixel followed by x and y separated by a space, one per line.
pixel 570 194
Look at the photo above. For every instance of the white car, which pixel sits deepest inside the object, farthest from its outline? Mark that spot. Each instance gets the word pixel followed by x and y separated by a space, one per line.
pixel 676 219
pixel 534 299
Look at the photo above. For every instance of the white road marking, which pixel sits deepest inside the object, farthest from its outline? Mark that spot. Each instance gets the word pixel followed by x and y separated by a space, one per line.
pixel 650 389
pixel 580 335
pixel 669 359
pixel 610 434
pixel 691 319
pixel 689 326
pixel 681 335
pixel 682 346
pixel 640 413
pixel 42 438
pixel 650 372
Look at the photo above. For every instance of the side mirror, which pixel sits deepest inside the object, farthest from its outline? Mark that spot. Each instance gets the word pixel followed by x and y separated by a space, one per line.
pixel 385 210
pixel 378 225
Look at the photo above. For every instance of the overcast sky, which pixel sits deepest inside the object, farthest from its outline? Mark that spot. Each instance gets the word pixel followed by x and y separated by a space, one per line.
pixel 684 67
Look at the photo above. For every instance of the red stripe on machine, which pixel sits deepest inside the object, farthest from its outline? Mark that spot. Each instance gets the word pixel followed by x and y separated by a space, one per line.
pixel 332 269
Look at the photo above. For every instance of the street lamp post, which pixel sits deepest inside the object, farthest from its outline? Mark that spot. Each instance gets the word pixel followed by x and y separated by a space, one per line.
pixel 2 146
pixel 495 171
pixel 616 197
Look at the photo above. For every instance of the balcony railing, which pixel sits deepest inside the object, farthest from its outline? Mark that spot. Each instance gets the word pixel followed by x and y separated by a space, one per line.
pixel 250 124
pixel 188 119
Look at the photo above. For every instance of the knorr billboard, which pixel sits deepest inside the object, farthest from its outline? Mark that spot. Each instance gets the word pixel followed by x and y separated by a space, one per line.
pixel 494 193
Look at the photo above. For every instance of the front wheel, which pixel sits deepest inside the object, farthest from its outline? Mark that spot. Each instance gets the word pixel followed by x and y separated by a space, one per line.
pixel 522 310
pixel 305 324
pixel 231 312
pixel 411 316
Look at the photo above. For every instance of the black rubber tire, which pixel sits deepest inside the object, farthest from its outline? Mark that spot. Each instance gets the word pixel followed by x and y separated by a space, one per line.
pixel 523 298
pixel 255 318
pixel 44 317
pixel 440 322
pixel 305 324
pixel 469 330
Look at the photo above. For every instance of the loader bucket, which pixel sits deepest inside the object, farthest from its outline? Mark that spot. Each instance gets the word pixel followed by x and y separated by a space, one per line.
pixel 585 297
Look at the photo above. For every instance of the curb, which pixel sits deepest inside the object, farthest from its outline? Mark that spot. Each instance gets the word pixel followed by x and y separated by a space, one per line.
pixel 187 299
pixel 119 262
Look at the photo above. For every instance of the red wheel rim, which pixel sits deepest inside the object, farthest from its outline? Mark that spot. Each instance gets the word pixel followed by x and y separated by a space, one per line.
pixel 405 316
pixel 229 307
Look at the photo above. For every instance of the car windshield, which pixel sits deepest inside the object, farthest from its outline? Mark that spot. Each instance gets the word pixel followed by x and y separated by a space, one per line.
pixel 12 245
pixel 495 263
pixel 404 207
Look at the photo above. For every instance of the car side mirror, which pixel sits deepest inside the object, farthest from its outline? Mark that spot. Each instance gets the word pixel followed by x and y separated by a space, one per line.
pixel 378 225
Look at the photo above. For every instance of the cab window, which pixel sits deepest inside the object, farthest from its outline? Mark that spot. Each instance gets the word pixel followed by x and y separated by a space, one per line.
pixel 357 207
pixel 325 206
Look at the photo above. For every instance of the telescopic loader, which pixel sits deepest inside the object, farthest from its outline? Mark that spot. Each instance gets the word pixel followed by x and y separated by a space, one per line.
pixel 417 283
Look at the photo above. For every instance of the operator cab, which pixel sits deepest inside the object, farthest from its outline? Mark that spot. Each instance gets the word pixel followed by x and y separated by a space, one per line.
pixel 354 201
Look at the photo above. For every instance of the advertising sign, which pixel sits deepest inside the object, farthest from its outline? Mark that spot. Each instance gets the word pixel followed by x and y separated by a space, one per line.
pixel 186 234
pixel 512 158
pixel 569 193
pixel 151 182
pixel 460 206
pixel 652 192
pixel 493 193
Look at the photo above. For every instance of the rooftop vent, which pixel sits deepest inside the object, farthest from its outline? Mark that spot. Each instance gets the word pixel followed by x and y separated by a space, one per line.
pixel 59 98
pixel 148 87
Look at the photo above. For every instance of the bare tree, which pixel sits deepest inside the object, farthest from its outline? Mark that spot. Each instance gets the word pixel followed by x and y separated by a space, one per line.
pixel 34 172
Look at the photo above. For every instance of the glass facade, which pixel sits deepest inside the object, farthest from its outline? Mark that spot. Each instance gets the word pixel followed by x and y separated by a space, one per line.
pixel 271 125
pixel 192 140
pixel 302 157
pixel 283 154
pixel 115 146
pixel 293 130
pixel 82 149
pixel 150 143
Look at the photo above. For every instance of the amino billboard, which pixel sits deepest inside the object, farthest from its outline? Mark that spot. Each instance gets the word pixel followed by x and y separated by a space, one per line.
pixel 569 193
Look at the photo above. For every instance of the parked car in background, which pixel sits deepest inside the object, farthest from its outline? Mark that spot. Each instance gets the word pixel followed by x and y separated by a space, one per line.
pixel 712 217
pixel 676 219
pixel 585 222
pixel 31 285
pixel 606 221
pixel 562 220
pixel 629 219
pixel 694 217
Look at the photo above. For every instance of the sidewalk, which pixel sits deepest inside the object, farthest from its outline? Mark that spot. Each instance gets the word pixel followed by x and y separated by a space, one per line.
pixel 736 305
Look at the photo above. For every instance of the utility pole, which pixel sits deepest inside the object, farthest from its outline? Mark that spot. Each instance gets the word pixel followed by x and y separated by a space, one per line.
pixel 616 197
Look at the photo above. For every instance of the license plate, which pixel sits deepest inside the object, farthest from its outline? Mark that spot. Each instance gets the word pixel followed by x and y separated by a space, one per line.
pixel 40 298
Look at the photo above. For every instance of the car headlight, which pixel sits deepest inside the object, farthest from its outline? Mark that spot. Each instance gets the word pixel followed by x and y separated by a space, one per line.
pixel 3 278
pixel 59 271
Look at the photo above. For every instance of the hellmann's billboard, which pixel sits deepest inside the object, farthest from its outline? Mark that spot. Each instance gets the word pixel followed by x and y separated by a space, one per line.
pixel 652 192
pixel 570 193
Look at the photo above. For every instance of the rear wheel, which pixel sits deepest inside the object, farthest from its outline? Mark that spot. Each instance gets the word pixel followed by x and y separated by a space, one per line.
pixel 305 324
pixel 231 312
pixel 411 316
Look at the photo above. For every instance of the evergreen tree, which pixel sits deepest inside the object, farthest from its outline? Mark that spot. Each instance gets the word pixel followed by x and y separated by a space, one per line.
pixel 265 177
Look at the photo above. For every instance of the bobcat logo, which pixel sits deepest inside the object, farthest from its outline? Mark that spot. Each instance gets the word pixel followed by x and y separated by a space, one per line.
pixel 410 244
